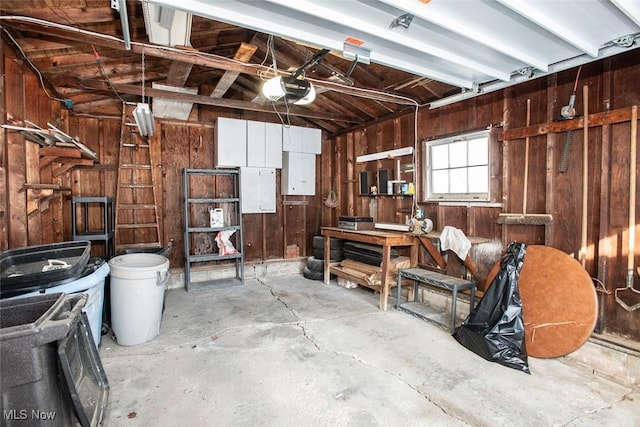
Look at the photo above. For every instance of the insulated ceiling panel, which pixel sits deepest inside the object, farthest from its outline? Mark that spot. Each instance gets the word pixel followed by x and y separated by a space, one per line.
pixel 477 45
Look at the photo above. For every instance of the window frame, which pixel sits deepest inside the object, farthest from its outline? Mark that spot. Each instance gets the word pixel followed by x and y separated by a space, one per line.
pixel 430 196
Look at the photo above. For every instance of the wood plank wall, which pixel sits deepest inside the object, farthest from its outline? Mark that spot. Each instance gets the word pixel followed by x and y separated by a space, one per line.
pixel 179 145
pixel 612 85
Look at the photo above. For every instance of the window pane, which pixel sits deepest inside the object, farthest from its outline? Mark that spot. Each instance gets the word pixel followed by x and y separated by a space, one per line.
pixel 440 182
pixel 479 151
pixel 458 180
pixel 439 157
pixel 478 179
pixel 458 167
pixel 458 154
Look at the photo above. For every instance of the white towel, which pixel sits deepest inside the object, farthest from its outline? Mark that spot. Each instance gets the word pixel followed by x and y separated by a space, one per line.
pixel 454 239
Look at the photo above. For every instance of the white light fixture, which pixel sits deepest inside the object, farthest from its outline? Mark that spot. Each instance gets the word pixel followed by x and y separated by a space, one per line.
pixel 385 154
pixel 165 25
pixel 272 89
pixel 142 113
pixel 294 90
pixel 144 119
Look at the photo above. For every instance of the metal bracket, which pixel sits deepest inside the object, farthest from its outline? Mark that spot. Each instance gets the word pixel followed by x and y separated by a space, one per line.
pixel 356 53
pixel 526 71
pixel 624 41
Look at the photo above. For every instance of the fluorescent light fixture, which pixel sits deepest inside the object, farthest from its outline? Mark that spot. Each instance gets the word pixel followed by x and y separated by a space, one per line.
pixel 166 17
pixel 297 91
pixel 166 25
pixel 385 155
pixel 144 119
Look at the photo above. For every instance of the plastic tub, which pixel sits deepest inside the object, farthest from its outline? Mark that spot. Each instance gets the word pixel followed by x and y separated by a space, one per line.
pixel 33 268
pixel 138 283
pixel 92 284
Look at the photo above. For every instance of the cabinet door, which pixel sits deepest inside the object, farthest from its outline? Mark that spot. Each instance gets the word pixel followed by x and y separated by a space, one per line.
pixel 308 174
pixel 273 145
pixel 268 190
pixel 256 147
pixel 292 138
pixel 258 190
pixel 264 144
pixel 311 140
pixel 230 142
pixel 298 174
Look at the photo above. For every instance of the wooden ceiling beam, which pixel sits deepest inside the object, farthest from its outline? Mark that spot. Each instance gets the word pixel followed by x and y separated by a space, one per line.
pixel 99 85
pixel 203 59
pixel 178 73
pixel 243 54
pixel 72 15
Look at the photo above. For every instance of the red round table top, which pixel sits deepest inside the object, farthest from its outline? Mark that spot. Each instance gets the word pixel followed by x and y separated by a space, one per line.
pixel 559 302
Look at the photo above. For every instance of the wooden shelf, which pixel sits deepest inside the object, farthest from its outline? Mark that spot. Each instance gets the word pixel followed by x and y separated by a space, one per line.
pixel 39 195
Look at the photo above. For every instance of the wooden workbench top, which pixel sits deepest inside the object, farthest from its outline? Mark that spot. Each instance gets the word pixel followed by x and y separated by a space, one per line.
pixel 377 237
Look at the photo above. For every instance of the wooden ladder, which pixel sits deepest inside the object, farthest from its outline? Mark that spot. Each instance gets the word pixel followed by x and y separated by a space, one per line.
pixel 137 221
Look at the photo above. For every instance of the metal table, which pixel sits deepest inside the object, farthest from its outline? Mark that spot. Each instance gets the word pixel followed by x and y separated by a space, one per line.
pixel 420 275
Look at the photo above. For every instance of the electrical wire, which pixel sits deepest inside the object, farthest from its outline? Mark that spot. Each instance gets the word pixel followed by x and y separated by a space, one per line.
pixel 353 91
pixel 26 58
pixel 106 76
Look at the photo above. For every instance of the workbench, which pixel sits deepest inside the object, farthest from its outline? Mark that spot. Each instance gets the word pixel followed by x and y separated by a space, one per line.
pixel 386 239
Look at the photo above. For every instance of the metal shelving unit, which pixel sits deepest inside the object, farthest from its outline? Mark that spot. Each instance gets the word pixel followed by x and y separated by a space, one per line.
pixel 80 229
pixel 222 188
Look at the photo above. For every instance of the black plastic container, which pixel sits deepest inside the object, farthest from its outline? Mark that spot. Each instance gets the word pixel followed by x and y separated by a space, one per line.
pixel 34 268
pixel 368 254
pixel 43 339
pixel 83 374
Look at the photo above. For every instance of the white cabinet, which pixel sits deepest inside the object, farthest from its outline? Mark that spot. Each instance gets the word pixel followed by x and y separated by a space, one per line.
pixel 292 138
pixel 264 144
pixel 298 174
pixel 299 148
pixel 273 145
pixel 301 139
pixel 311 140
pixel 258 190
pixel 230 142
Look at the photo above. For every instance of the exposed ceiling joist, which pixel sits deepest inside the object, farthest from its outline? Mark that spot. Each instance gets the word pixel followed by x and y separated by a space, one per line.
pixel 244 54
pixel 100 85
pixel 188 56
pixel 446 53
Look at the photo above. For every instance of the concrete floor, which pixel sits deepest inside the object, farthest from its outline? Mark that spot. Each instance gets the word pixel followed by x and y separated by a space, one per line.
pixel 287 351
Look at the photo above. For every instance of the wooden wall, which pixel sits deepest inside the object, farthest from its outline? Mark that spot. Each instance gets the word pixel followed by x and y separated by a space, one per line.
pixel 612 87
pixel 28 217
pixel 182 145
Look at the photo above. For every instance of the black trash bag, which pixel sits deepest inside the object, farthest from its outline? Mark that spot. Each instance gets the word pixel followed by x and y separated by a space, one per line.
pixel 495 327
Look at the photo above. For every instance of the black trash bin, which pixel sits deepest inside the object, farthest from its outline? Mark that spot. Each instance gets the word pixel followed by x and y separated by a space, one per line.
pixel 47 355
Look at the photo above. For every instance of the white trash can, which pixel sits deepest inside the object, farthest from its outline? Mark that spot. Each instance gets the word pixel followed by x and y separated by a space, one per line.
pixel 138 283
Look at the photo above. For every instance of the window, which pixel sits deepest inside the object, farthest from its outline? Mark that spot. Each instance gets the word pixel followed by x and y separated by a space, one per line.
pixel 458 167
